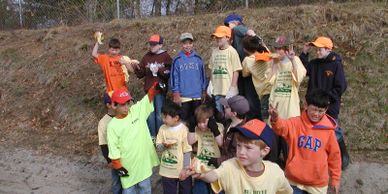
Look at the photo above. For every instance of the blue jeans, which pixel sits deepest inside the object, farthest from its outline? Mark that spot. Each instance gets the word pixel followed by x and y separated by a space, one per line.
pixel 116 183
pixel 201 187
pixel 143 187
pixel 339 132
pixel 154 121
pixel 298 191
pixel 219 106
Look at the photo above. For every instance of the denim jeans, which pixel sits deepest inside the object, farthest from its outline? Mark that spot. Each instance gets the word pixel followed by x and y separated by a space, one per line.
pixel 143 187
pixel 264 104
pixel 201 187
pixel 116 183
pixel 339 132
pixel 298 191
pixel 154 121
pixel 219 106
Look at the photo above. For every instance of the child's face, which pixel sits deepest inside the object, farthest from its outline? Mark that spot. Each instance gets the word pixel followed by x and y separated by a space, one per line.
pixel 228 112
pixel 113 51
pixel 248 153
pixel 187 45
pixel 281 52
pixel 155 48
pixel 315 113
pixel 322 52
pixel 169 120
pixel 122 109
pixel 232 24
pixel 202 125
pixel 222 42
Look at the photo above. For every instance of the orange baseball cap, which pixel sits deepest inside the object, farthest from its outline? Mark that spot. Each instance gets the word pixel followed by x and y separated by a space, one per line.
pixel 121 96
pixel 322 42
pixel 222 31
pixel 155 39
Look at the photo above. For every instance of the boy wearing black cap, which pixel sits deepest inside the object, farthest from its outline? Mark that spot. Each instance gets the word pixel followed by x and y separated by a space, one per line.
pixel 248 172
pixel 155 67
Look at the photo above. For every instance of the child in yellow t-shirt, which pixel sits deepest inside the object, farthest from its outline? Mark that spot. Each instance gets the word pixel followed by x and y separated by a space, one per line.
pixel 248 172
pixel 176 151
pixel 209 140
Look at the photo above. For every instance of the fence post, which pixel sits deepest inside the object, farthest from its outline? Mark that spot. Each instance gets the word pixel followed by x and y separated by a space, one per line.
pixel 118 8
pixel 246 4
pixel 20 14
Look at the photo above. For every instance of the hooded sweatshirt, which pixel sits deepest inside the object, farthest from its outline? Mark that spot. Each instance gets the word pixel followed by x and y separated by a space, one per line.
pixel 163 60
pixel 314 154
pixel 327 74
pixel 188 75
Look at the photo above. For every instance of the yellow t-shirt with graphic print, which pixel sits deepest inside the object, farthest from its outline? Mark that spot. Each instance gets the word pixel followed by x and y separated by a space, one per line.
pixel 232 178
pixel 259 71
pixel 222 64
pixel 285 87
pixel 171 162
pixel 207 145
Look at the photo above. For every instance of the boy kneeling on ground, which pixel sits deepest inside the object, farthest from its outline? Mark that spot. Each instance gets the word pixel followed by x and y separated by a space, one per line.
pixel 248 172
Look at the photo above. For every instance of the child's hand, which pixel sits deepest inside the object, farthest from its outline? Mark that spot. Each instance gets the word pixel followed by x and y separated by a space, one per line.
pixel 250 32
pixel 335 189
pixel 233 91
pixel 184 174
pixel 290 54
pixel 273 112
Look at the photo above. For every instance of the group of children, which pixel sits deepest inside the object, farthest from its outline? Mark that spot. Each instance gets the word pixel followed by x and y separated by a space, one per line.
pixel 225 134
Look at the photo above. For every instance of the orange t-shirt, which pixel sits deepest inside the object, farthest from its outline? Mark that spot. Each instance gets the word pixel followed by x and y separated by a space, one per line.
pixel 113 73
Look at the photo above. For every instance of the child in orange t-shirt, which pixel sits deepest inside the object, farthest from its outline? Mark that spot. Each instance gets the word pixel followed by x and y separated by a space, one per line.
pixel 112 66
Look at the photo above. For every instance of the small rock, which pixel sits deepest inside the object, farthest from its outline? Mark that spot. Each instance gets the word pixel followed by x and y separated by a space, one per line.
pixel 360 182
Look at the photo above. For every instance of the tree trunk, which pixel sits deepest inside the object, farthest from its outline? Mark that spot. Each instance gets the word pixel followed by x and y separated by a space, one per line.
pixel 136 8
pixel 158 7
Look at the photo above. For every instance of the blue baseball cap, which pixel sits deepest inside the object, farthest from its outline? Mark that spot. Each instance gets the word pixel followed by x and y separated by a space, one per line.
pixel 256 130
pixel 232 17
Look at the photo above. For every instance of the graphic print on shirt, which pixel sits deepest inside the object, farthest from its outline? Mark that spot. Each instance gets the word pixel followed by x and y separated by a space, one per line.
pixel 220 62
pixel 283 84
pixel 309 142
pixel 254 191
pixel 169 157
pixel 188 66
pixel 118 71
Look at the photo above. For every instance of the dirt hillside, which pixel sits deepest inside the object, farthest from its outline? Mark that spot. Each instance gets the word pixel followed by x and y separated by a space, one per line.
pixel 51 91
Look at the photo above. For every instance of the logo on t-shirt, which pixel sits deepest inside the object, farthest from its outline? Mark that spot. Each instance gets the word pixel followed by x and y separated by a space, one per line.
pixel 220 71
pixel 246 191
pixel 328 73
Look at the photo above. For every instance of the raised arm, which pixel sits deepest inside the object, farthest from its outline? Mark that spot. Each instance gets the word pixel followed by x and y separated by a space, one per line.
pixel 95 50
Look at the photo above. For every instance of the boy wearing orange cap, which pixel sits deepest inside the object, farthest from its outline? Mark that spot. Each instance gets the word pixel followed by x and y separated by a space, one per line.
pixel 155 67
pixel 130 146
pixel 248 172
pixel 224 65
pixel 326 72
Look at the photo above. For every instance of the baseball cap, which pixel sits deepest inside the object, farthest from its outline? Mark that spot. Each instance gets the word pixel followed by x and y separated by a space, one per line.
pixel 222 31
pixel 121 96
pixel 322 42
pixel 155 39
pixel 281 41
pixel 237 103
pixel 185 36
pixel 232 17
pixel 256 130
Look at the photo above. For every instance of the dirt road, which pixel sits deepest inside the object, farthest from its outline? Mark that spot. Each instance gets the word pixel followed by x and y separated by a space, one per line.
pixel 25 171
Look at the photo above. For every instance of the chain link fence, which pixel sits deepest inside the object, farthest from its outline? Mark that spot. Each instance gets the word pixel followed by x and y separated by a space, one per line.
pixel 35 14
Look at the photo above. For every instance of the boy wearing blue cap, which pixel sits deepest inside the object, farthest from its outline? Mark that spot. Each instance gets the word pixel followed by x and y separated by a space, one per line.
pixel 248 172
pixel 245 84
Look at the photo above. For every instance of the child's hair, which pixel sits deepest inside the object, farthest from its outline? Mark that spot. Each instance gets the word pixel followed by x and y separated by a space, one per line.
pixel 253 44
pixel 203 112
pixel 172 109
pixel 114 43
pixel 241 138
pixel 319 98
